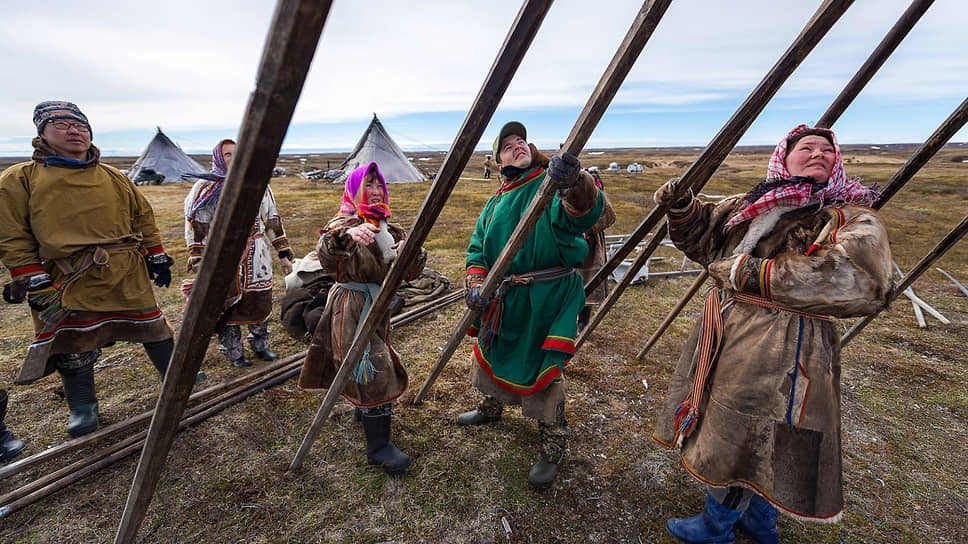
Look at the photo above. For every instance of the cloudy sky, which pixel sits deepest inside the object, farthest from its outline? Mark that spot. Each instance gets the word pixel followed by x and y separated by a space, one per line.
pixel 189 66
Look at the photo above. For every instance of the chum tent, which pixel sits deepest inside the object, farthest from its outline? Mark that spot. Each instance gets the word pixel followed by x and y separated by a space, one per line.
pixel 164 157
pixel 377 146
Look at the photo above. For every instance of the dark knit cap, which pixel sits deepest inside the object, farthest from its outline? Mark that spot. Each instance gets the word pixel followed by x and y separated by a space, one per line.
pixel 512 127
pixel 57 109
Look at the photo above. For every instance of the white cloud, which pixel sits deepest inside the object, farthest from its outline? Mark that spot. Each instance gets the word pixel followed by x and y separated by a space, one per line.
pixel 188 65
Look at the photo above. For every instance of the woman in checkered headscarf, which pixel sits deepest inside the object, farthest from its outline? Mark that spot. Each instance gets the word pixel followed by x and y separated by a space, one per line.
pixel 754 403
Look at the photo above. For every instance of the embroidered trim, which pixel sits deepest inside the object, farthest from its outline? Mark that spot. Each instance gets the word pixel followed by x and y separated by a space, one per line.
pixel 31 269
pixel 677 217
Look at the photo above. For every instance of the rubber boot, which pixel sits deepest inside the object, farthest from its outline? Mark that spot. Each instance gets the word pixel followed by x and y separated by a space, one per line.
pixel 10 445
pixel 81 399
pixel 488 411
pixel 554 439
pixel 759 521
pixel 583 317
pixel 714 525
pixel 160 355
pixel 379 450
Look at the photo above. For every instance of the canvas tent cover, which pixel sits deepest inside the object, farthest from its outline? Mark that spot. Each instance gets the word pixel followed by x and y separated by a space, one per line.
pixel 377 146
pixel 164 157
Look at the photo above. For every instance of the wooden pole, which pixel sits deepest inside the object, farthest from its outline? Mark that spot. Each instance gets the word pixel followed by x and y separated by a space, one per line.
pixel 703 167
pixel 37 490
pixel 853 88
pixel 884 49
pixel 635 39
pixel 691 292
pixel 122 426
pixel 928 149
pixel 288 52
pixel 626 280
pixel 950 239
pixel 516 44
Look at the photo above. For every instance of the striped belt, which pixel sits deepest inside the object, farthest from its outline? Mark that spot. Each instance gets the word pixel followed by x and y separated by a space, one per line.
pixel 492 318
pixel 686 415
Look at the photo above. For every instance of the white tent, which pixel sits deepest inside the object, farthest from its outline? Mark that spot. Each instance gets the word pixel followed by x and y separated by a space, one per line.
pixel 613 167
pixel 164 157
pixel 377 146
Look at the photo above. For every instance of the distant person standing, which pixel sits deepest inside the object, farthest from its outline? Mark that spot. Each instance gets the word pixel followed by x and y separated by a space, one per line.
pixel 526 333
pixel 250 300
pixel 489 165
pixel 82 247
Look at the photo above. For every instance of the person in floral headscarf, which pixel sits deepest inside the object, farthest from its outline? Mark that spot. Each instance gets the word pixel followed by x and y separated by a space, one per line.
pixel 356 248
pixel 250 299
pixel 754 403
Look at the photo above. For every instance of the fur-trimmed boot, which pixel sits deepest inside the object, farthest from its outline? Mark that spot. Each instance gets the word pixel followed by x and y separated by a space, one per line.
pixel 714 525
pixel 379 450
pixel 488 411
pixel 759 521
pixel 554 440
pixel 81 399
pixel 10 445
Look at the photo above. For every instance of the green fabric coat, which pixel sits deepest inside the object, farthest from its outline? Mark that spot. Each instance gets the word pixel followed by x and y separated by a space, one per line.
pixel 537 330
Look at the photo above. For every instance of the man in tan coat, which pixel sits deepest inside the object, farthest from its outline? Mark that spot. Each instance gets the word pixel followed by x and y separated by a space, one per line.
pixel 82 247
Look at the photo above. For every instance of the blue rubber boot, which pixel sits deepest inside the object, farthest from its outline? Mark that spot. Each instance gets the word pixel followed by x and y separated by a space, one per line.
pixel 714 525
pixel 759 521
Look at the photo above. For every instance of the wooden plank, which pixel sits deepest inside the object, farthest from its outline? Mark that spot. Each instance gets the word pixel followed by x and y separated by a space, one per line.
pixel 519 38
pixel 713 155
pixel 628 51
pixel 286 57
pixel 946 243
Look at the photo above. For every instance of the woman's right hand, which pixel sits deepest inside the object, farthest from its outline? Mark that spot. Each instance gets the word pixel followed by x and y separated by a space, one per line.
pixel 364 233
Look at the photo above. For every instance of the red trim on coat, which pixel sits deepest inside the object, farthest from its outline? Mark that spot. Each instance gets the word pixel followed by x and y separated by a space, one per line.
pixel 539 385
pixel 31 269
pixel 559 345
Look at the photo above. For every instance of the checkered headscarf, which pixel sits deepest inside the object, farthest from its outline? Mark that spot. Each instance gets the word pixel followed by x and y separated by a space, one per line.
pixel 797 194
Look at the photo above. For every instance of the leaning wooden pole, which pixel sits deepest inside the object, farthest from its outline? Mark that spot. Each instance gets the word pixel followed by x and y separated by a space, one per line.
pixel 519 38
pixel 853 88
pixel 881 53
pixel 626 280
pixel 703 167
pixel 950 239
pixel 691 292
pixel 286 57
pixel 713 155
pixel 635 39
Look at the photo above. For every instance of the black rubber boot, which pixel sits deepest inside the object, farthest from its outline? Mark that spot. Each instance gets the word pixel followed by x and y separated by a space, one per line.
pixel 583 317
pixel 241 362
pixel 81 399
pixel 160 355
pixel 554 440
pixel 267 355
pixel 10 445
pixel 488 411
pixel 379 450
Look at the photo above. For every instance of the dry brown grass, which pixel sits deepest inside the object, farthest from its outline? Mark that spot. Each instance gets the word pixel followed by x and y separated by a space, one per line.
pixel 904 406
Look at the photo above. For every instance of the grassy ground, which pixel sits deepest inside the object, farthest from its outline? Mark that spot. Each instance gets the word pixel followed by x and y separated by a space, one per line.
pixel 905 406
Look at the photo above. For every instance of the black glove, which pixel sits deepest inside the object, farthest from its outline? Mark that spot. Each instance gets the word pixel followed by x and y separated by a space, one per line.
pixel 287 254
pixel 565 170
pixel 37 287
pixel 159 268
pixel 15 292
pixel 474 300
